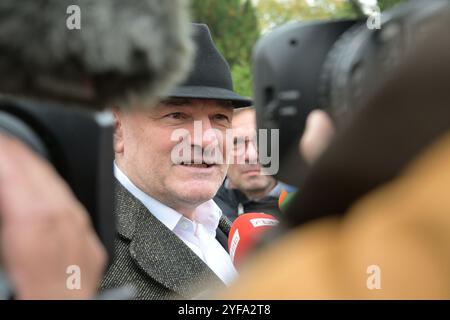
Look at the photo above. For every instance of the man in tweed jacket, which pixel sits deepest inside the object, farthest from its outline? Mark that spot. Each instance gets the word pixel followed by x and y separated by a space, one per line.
pixel 172 237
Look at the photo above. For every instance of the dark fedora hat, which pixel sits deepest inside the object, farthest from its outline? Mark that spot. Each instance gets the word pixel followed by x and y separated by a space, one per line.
pixel 210 76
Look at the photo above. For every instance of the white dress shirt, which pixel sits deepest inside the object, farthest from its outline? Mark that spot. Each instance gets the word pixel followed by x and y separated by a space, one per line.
pixel 199 235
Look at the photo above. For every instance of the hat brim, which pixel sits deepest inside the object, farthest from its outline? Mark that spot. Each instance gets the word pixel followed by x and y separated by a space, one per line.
pixel 203 92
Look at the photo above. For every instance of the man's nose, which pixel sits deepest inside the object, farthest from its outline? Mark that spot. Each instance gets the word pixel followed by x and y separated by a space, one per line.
pixel 205 134
pixel 251 153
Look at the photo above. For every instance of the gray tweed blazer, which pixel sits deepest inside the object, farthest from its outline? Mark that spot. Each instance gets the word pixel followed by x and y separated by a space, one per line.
pixel 153 259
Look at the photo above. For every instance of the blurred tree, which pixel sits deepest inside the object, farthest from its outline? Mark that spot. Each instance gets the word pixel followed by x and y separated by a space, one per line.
pixel 242 78
pixel 386 4
pixel 272 13
pixel 234 28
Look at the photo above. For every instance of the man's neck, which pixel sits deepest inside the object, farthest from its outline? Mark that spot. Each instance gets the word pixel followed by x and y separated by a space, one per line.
pixel 258 194
pixel 186 212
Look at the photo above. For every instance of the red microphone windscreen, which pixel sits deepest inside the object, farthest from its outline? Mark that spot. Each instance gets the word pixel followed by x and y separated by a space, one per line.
pixel 245 232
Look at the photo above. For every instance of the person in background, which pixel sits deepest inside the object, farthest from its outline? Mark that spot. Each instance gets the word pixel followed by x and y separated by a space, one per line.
pixel 247 188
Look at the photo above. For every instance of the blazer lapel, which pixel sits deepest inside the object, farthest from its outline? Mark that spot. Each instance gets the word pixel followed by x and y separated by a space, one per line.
pixel 158 251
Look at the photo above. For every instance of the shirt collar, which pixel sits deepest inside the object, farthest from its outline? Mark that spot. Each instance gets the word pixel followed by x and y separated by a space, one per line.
pixel 208 213
pixel 276 191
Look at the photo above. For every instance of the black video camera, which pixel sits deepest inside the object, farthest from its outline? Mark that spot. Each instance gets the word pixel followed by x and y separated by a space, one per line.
pixel 78 143
pixel 331 65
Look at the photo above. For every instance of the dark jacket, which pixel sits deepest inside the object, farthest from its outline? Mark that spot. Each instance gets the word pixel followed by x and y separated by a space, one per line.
pixel 153 259
pixel 229 201
pixel 233 202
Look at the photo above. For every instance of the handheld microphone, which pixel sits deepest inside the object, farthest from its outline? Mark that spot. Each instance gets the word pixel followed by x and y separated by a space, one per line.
pixel 245 233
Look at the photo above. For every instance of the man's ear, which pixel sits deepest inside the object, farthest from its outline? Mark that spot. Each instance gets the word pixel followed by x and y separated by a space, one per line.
pixel 118 131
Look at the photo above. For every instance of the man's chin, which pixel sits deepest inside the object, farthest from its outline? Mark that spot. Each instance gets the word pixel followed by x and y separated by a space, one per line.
pixel 258 182
pixel 197 191
pixel 255 186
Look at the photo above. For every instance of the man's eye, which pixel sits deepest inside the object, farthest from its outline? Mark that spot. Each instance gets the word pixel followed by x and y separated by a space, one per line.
pixel 176 115
pixel 221 117
pixel 239 142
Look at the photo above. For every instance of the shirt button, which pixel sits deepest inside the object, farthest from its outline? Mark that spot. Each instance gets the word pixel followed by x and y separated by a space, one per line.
pixel 184 225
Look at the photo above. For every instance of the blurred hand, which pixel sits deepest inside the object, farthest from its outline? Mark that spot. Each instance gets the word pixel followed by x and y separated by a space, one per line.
pixel 318 132
pixel 43 229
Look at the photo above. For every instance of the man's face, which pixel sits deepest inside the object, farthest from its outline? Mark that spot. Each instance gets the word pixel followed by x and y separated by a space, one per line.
pixel 246 177
pixel 144 149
